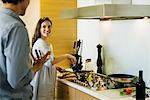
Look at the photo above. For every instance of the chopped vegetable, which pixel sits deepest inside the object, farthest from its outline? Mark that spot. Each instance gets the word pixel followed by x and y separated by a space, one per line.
pixel 127 91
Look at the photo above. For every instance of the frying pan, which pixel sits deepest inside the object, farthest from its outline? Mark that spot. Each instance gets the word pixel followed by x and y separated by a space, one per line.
pixel 122 78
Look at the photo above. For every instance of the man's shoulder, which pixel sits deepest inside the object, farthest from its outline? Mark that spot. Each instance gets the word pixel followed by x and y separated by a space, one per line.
pixel 7 20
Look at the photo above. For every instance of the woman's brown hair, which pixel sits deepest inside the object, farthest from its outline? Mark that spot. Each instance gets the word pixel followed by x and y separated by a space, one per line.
pixel 37 33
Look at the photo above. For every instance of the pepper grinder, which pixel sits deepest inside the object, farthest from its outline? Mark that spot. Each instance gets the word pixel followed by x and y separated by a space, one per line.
pixel 99 59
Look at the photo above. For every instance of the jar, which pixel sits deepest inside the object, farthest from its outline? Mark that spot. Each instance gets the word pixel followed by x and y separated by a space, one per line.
pixel 88 65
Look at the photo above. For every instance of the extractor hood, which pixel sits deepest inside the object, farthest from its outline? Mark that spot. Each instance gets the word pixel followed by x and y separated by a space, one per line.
pixel 108 11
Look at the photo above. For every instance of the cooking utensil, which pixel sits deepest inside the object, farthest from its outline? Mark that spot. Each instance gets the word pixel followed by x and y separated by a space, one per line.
pixel 121 81
pixel 122 78
pixel 78 66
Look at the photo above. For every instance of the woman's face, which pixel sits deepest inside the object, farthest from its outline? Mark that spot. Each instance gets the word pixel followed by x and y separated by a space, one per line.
pixel 46 28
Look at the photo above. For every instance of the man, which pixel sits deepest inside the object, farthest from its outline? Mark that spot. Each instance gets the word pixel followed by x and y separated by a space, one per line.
pixel 15 74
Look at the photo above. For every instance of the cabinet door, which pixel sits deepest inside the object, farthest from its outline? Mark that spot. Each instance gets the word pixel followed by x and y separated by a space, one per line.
pixel 62 91
pixel 65 92
pixel 83 96
pixel 72 95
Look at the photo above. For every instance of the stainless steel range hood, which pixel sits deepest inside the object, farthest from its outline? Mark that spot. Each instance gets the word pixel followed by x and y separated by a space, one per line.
pixel 108 11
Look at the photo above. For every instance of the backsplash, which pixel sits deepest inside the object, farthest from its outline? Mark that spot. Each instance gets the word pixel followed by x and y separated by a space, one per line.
pixel 125 43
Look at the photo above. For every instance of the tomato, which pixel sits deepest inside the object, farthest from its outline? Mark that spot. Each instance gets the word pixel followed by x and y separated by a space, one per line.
pixel 129 90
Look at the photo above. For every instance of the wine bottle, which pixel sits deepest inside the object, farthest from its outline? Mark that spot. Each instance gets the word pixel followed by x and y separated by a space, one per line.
pixel 140 87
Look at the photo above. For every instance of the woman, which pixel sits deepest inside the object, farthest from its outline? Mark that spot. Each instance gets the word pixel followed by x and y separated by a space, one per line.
pixel 46 77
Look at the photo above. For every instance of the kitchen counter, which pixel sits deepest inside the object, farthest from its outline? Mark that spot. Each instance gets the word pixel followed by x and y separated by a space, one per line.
pixel 110 94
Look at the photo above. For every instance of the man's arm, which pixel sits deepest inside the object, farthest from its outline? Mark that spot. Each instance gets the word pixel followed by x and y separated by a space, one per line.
pixel 17 57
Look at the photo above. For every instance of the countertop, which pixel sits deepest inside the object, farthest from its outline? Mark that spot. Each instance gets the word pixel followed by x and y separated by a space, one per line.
pixel 111 94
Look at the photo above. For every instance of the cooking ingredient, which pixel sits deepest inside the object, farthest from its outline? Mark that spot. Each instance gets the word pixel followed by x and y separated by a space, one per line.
pixel 90 80
pixel 140 87
pixel 127 91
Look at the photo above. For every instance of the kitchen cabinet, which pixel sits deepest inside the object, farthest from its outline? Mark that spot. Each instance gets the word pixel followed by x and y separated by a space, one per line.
pixel 66 92
pixel 83 96
pixel 64 31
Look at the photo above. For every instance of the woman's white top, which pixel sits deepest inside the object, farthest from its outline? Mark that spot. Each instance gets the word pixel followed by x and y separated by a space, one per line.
pixel 44 80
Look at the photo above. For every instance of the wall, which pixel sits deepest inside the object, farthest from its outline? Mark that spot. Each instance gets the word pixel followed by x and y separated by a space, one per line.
pixel 64 31
pixel 126 47
pixel 32 16
pixel 81 3
pixel 1 4
pixel 88 31
pixel 144 2
pixel 125 43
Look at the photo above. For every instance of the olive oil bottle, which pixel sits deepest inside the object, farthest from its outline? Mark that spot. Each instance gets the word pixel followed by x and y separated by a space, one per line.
pixel 140 87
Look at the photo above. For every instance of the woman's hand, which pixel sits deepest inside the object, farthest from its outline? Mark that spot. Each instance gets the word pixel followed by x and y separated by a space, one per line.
pixel 38 63
pixel 60 69
pixel 72 58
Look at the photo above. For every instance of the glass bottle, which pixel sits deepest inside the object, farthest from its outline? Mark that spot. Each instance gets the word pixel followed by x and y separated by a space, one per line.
pixel 88 64
pixel 140 87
